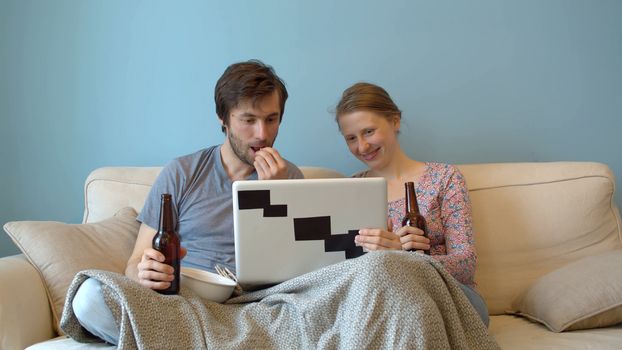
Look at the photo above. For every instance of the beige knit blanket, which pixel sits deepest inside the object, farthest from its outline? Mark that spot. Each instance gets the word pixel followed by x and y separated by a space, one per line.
pixel 382 300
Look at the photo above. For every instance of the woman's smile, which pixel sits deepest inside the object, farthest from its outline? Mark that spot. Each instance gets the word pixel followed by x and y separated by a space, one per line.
pixel 369 156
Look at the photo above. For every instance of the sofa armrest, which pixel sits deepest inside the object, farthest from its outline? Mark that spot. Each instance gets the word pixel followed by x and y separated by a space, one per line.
pixel 25 315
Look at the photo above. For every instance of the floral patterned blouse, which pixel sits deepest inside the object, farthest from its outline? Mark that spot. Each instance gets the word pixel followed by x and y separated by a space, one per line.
pixel 444 202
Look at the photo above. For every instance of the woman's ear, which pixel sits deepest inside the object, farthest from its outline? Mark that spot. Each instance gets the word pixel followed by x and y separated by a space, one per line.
pixel 396 120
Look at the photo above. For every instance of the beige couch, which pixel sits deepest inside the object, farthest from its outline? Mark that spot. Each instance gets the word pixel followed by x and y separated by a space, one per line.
pixel 531 220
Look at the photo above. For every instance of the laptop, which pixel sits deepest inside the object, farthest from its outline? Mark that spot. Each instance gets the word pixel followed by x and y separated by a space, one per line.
pixel 285 228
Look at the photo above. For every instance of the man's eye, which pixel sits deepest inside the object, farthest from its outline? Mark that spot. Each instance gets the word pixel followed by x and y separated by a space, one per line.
pixel 272 120
pixel 350 139
pixel 369 131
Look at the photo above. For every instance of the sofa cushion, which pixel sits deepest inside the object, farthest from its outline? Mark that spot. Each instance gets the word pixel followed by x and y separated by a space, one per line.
pixel 518 333
pixel 584 294
pixel 532 218
pixel 58 250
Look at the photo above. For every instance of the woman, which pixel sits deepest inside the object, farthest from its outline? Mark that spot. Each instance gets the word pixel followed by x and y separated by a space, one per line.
pixel 370 122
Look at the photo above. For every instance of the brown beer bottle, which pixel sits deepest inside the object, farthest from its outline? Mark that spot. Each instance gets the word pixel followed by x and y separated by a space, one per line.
pixel 412 215
pixel 167 242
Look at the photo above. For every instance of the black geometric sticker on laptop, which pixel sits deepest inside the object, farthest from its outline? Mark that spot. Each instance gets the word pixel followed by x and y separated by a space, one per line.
pixel 318 228
pixel 260 199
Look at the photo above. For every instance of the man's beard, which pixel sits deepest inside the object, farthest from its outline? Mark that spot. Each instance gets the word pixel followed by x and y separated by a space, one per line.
pixel 241 149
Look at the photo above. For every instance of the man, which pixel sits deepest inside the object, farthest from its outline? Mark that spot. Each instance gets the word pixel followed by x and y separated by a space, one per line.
pixel 250 101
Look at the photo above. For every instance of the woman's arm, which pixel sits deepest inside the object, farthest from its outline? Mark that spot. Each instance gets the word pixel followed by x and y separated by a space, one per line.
pixel 460 258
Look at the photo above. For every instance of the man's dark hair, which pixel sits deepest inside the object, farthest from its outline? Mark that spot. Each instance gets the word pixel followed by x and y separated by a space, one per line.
pixel 252 80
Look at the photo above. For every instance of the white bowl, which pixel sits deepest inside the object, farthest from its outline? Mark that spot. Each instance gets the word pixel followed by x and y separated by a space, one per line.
pixel 207 285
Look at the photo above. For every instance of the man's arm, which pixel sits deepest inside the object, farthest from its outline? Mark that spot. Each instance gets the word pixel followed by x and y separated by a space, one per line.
pixel 145 264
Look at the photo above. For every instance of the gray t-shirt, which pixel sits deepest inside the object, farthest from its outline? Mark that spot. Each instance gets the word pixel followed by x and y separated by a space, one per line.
pixel 202 205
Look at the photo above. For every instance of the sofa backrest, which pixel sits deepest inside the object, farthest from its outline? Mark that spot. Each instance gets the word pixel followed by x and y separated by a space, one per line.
pixel 109 189
pixel 529 218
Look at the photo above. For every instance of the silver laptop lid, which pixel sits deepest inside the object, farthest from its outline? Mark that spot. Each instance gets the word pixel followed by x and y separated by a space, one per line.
pixel 285 228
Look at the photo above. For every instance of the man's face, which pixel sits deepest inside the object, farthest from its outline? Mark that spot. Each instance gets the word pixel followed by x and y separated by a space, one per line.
pixel 253 126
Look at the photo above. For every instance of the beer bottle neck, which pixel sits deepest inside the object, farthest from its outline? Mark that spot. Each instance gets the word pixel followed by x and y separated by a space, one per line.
pixel 166 213
pixel 411 199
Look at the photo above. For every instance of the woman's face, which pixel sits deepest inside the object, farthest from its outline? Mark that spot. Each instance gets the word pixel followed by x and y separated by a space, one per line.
pixel 371 137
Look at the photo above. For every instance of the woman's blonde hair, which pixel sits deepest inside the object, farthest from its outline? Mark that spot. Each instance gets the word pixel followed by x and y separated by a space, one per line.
pixel 367 97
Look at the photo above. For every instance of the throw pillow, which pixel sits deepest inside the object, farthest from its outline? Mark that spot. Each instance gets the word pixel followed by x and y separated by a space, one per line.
pixel 58 251
pixel 581 295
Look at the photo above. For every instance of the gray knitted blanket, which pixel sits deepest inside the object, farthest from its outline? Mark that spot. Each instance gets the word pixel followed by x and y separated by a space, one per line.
pixel 382 300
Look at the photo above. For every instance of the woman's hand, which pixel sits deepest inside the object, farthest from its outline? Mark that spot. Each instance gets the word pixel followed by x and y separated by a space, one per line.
pixel 412 238
pixel 377 239
pixel 406 238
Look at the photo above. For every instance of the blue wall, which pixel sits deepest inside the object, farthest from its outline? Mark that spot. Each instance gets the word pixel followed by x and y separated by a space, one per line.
pixel 85 84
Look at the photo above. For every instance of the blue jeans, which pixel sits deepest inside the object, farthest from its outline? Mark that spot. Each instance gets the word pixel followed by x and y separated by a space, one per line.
pixel 477 302
pixel 93 313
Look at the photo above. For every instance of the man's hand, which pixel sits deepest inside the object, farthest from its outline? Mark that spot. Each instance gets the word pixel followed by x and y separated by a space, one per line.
pixel 152 272
pixel 269 164
pixel 145 264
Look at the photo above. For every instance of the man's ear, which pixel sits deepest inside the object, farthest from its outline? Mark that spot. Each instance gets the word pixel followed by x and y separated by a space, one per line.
pixel 223 127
